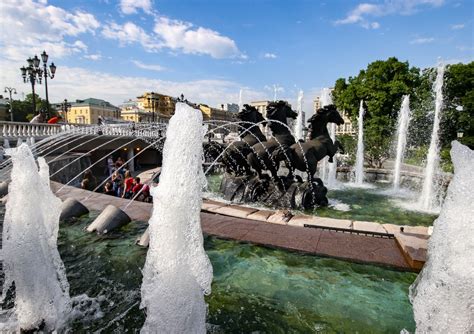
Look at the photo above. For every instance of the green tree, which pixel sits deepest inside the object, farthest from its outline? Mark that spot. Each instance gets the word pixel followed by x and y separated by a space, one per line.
pixel 458 110
pixel 23 110
pixel 381 86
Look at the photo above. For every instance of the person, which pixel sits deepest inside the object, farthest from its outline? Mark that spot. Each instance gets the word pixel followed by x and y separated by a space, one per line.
pixel 110 165
pixel 128 185
pixel 55 119
pixel 89 181
pixel 117 181
pixel 109 189
pixel 40 118
pixel 145 194
pixel 137 186
pixel 119 166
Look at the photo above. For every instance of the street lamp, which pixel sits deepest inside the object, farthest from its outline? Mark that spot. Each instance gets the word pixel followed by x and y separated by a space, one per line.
pixel 10 90
pixel 460 133
pixel 33 74
pixel 64 108
pixel 50 73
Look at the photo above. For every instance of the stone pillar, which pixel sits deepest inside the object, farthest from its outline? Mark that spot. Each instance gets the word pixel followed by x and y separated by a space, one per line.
pixel 131 156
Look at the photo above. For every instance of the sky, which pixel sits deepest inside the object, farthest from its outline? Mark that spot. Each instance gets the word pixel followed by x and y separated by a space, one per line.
pixel 211 49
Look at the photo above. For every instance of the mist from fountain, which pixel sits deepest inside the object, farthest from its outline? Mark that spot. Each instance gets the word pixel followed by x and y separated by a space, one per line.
pixel 29 248
pixel 429 200
pixel 402 133
pixel 442 296
pixel 359 165
pixel 240 99
pixel 299 123
pixel 177 271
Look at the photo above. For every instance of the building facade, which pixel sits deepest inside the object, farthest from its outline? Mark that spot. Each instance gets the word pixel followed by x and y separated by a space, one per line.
pixel 4 109
pixel 130 112
pixel 346 128
pixel 88 111
pixel 160 106
pixel 230 107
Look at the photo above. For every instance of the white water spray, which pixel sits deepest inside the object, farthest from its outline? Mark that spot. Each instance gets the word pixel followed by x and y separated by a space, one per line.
pixel 240 99
pixel 177 271
pixel 429 195
pixel 299 124
pixel 403 121
pixel 443 296
pixel 30 256
pixel 359 165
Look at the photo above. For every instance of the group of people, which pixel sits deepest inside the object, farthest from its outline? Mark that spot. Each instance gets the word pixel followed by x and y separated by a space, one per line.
pixel 122 184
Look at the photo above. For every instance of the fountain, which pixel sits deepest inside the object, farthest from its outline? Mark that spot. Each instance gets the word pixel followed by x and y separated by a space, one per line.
pixel 442 295
pixel 299 123
pixel 403 121
pixel 429 200
pixel 240 99
pixel 359 165
pixel 177 271
pixel 30 257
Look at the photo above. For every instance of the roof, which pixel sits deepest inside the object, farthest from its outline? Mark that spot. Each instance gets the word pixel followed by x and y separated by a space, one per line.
pixel 92 101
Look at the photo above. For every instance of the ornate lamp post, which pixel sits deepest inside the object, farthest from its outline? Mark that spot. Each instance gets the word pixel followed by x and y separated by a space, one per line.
pixel 65 106
pixel 10 90
pixel 50 73
pixel 33 74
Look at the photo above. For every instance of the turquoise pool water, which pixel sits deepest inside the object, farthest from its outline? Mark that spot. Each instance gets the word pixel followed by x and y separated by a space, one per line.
pixel 255 289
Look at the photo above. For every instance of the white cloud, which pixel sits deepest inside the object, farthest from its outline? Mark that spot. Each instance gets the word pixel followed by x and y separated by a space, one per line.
pixel 131 6
pixel 183 36
pixel 422 40
pixel 362 12
pixel 270 55
pixel 130 33
pixel 93 57
pixel 457 26
pixel 79 83
pixel 174 35
pixel 41 27
pixel 150 67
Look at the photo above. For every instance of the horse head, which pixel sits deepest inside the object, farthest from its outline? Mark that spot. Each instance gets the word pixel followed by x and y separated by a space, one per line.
pixel 279 111
pixel 250 114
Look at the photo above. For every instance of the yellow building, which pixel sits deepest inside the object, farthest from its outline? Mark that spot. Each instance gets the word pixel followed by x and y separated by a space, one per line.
pixel 160 106
pixel 130 112
pixel 88 111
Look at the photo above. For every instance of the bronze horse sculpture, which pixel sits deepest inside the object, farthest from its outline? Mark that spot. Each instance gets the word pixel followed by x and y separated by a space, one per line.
pixel 234 157
pixel 305 156
pixel 261 156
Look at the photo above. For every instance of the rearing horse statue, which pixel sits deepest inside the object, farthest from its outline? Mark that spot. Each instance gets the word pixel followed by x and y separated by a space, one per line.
pixel 305 156
pixel 235 156
pixel 261 156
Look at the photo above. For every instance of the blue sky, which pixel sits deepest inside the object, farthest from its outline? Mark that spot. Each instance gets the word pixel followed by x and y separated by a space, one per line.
pixel 208 50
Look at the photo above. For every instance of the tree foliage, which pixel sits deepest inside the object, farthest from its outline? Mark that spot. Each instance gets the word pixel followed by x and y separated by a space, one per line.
pixel 23 110
pixel 381 86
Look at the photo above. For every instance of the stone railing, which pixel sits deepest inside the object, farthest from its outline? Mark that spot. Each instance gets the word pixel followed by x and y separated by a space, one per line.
pixel 22 130
pixel 12 130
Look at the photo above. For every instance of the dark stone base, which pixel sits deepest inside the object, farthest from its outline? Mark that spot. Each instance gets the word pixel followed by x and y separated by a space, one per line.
pixel 286 193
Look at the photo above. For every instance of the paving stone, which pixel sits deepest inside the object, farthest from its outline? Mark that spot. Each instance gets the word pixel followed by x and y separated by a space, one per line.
pixel 368 226
pixel 301 220
pixel 331 222
pixel 261 215
pixel 279 217
pixel 235 211
pixel 209 205
pixel 391 228
pixel 414 248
